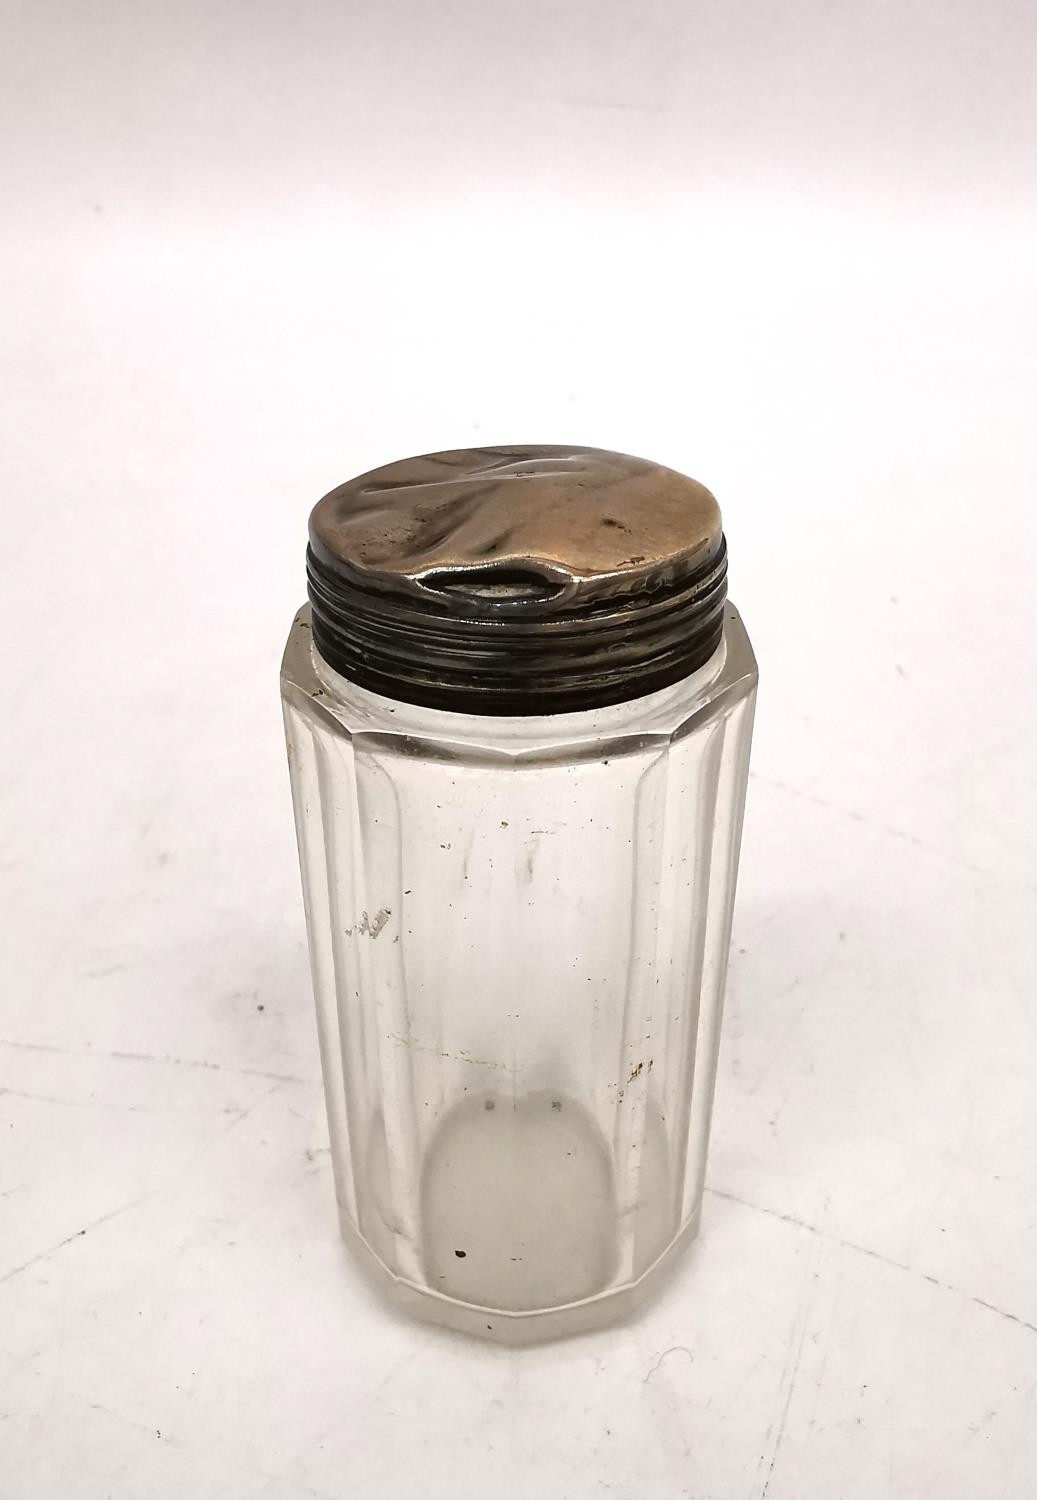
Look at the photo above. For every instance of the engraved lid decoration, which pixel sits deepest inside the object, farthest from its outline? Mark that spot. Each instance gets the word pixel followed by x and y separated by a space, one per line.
pixel 517 580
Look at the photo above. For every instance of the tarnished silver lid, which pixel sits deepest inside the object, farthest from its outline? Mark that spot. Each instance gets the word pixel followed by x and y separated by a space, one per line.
pixel 517 580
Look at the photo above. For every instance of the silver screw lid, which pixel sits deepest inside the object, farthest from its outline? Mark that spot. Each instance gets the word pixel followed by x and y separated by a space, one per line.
pixel 528 579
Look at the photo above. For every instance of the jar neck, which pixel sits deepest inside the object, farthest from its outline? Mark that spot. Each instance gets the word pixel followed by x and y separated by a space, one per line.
pixel 659 712
pixel 498 647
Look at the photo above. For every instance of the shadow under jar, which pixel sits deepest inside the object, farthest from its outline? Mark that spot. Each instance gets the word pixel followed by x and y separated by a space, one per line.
pixel 518 711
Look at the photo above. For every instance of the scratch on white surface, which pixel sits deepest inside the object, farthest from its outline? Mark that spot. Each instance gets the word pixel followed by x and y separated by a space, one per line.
pixel 981 1302
pixel 165 1060
pixel 947 855
pixel 414 1352
pixel 990 1415
pixel 130 1109
pixel 775 1432
pixel 239 1116
pixel 70 1239
pixel 215 1067
pixel 796 1352
pixel 898 1265
pixel 131 1422
pixel 673 1349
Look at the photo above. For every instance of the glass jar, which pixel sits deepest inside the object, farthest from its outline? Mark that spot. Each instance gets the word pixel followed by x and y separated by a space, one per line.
pixel 518 713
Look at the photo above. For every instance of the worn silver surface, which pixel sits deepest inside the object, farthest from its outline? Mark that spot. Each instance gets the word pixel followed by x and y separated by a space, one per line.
pixel 588 522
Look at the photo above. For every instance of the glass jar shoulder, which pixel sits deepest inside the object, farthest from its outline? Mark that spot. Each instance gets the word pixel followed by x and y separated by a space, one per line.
pixel 343 708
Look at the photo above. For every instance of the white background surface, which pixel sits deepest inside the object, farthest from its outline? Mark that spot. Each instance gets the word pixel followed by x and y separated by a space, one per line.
pixel 248 251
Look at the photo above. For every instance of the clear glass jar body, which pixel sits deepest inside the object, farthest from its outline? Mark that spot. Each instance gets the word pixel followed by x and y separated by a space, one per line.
pixel 518 933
